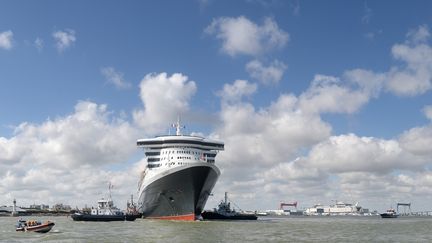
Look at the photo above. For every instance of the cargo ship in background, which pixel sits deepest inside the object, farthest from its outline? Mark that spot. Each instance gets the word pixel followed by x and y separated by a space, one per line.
pixel 179 176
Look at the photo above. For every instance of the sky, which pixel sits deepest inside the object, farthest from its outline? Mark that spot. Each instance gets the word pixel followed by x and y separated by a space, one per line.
pixel 316 101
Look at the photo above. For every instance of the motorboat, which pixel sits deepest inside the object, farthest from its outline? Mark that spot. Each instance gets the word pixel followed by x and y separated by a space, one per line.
pixel 34 226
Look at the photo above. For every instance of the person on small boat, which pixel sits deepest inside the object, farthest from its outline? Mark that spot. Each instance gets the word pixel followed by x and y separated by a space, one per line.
pixel 34 226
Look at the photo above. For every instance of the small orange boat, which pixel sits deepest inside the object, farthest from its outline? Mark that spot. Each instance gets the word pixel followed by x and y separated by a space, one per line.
pixel 34 226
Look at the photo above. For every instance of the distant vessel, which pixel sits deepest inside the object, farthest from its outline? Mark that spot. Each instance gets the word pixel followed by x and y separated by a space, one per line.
pixel 179 176
pixel 391 213
pixel 293 211
pixel 339 208
pixel 105 211
pixel 34 226
pixel 224 212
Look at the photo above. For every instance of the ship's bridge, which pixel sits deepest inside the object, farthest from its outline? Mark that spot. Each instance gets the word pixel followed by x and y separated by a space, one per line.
pixel 180 141
pixel 178 150
pixel 167 151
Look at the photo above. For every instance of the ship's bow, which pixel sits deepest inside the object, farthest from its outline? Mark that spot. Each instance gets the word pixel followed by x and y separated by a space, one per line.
pixel 180 193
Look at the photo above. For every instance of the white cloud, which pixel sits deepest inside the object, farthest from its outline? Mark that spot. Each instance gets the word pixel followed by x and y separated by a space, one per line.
pixel 64 39
pixel 419 35
pixel 236 91
pixel 401 187
pixel 242 36
pixel 328 94
pixel 412 77
pixel 266 136
pixel 418 140
pixel 86 137
pixel 164 98
pixel 271 74
pixel 427 110
pixel 415 77
pixel 114 77
pixel 370 83
pixel 290 124
pixel 350 153
pixel 6 40
pixel 38 43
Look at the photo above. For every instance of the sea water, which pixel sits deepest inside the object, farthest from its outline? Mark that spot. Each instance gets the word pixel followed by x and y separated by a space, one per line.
pixel 265 229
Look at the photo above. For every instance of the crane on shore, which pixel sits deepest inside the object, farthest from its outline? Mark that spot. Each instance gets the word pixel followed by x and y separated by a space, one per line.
pixel 282 205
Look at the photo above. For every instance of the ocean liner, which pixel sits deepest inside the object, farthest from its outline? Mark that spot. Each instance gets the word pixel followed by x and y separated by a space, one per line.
pixel 179 176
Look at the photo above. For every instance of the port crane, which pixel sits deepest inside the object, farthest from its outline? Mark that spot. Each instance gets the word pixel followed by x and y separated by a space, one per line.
pixel 404 205
pixel 282 205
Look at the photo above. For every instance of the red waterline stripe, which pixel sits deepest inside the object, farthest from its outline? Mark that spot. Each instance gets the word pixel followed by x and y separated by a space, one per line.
pixel 186 217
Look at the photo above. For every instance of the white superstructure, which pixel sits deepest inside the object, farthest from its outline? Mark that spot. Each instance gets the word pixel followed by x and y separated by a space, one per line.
pixel 106 206
pixel 339 208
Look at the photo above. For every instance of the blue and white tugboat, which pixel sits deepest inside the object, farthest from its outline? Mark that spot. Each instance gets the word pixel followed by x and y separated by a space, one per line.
pixel 224 212
pixel 105 211
pixel 391 213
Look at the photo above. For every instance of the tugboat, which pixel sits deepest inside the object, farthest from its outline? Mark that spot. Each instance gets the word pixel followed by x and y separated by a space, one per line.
pixel 34 226
pixel 391 213
pixel 224 212
pixel 105 211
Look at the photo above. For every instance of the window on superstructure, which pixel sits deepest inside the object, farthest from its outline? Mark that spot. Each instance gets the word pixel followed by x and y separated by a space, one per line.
pixel 154 165
pixel 152 153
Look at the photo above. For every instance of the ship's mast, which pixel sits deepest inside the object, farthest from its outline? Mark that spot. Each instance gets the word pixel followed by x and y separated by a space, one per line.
pixel 178 127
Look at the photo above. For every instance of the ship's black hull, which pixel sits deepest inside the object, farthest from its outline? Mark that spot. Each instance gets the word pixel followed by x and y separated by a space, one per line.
pixel 179 194
pixel 209 215
pixel 104 218
pixel 388 216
